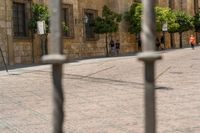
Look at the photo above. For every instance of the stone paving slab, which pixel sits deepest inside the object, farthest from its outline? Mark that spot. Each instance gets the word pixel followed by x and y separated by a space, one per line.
pixel 104 96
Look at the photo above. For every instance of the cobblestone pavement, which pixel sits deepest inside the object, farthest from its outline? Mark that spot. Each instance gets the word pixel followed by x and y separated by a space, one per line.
pixel 104 96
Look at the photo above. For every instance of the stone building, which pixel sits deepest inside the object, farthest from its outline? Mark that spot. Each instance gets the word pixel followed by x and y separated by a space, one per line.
pixel 19 46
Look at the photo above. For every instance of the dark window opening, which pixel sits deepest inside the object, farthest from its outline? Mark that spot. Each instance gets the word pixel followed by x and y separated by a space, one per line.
pixel 19 21
pixel 89 29
pixel 89 22
pixel 67 20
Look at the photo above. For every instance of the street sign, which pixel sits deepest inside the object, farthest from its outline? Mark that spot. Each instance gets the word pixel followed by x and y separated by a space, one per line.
pixel 41 27
pixel 164 27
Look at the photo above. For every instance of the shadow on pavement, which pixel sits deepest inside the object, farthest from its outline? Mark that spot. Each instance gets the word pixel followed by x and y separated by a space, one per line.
pixel 163 88
pixel 16 66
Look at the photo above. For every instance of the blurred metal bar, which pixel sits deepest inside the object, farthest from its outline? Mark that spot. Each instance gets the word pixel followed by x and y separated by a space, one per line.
pixel 149 57
pixel 58 99
pixel 148 26
pixel 56 58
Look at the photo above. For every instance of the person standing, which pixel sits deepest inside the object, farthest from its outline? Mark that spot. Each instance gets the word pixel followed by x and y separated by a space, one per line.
pixel 117 44
pixel 162 41
pixel 112 47
pixel 157 44
pixel 192 41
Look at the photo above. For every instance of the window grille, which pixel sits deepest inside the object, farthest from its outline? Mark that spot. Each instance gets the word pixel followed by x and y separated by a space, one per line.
pixel 89 28
pixel 19 19
pixel 67 18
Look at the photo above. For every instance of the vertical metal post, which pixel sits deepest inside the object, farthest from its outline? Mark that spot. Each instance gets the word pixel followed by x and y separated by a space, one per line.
pixel 56 58
pixel 149 57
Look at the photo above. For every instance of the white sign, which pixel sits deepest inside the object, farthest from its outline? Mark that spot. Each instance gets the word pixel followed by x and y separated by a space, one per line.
pixel 41 27
pixel 164 27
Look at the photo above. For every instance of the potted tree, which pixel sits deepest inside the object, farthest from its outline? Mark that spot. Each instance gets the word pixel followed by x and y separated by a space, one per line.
pixel 107 24
pixel 39 12
pixel 184 23
pixel 133 17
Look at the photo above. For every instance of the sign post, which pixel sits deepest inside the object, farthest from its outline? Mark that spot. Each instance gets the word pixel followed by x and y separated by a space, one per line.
pixel 164 29
pixel 41 30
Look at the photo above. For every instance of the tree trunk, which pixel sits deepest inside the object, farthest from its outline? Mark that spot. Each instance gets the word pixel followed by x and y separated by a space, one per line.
pixel 32 46
pixel 197 39
pixel 106 44
pixel 139 41
pixel 180 35
pixel 172 40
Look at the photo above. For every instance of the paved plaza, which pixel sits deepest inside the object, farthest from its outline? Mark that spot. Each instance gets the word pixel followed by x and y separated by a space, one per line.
pixel 104 95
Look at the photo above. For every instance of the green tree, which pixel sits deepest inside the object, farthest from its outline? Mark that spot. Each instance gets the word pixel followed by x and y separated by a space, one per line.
pixel 197 21
pixel 173 25
pixel 108 23
pixel 184 23
pixel 133 17
pixel 164 15
pixel 39 12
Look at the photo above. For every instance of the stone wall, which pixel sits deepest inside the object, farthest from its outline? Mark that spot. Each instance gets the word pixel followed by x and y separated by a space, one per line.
pixel 28 50
pixel 128 41
pixel 3 38
pixel 78 47
pixel 22 51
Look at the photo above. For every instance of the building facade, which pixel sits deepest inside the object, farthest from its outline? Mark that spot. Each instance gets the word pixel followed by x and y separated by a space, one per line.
pixel 19 46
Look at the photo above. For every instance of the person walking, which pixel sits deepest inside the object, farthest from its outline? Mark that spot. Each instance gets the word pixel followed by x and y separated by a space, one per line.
pixel 192 41
pixel 117 45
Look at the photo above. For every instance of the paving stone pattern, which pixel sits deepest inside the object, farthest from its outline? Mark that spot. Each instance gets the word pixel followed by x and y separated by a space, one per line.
pixel 104 96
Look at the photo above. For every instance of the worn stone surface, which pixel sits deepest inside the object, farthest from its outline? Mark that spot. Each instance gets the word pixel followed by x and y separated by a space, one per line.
pixel 104 95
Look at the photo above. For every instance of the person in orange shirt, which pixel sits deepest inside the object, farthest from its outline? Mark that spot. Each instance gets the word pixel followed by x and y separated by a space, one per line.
pixel 192 41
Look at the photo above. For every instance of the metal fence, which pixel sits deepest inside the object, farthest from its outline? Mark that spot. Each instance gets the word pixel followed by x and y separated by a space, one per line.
pixel 149 57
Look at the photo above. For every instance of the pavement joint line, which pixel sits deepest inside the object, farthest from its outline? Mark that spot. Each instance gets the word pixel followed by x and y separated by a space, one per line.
pixel 108 68
pixel 102 79
pixel 43 117
pixel 84 77
pixel 163 72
